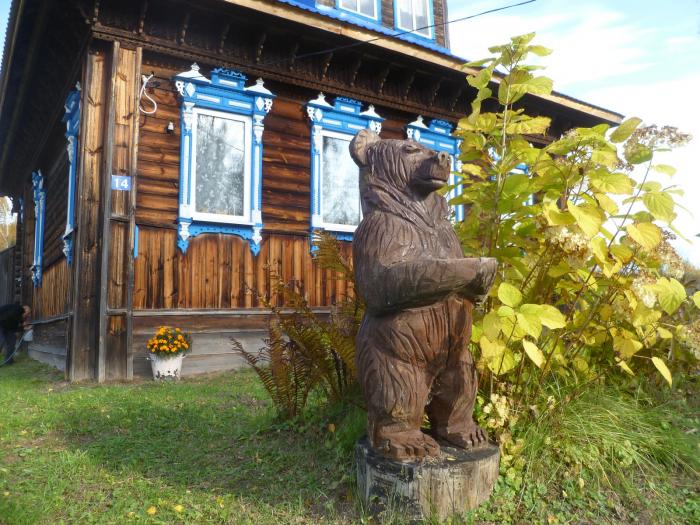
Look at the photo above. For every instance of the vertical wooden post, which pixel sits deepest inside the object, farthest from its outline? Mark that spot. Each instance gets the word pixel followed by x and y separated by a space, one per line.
pixel 83 340
pixel 117 265
pixel 103 269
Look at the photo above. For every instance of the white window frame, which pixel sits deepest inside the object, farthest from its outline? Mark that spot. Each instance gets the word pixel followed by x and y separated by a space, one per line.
pixel 247 172
pixel 350 228
pixel 414 31
pixel 357 11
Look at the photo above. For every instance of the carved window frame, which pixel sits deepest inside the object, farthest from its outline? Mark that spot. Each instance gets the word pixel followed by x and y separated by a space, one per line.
pixel 223 96
pixel 357 13
pixel 71 118
pixel 438 136
pixel 431 20
pixel 343 119
pixel 39 195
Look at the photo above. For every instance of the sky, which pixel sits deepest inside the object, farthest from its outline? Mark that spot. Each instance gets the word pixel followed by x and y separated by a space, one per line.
pixel 636 57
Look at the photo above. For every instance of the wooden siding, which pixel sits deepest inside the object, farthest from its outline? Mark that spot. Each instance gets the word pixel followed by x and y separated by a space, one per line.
pixel 220 272
pixel 51 298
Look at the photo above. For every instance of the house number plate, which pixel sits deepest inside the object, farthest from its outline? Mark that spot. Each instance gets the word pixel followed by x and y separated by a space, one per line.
pixel 121 182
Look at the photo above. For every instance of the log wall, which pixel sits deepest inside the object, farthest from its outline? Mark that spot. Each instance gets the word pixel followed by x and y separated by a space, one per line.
pixel 219 271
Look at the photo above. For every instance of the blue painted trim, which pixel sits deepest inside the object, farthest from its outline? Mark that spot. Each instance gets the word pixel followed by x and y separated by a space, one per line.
pixel 350 14
pixel 438 136
pixel 345 116
pixel 136 241
pixel 225 92
pixel 416 38
pixel 40 212
pixel 71 118
pixel 335 14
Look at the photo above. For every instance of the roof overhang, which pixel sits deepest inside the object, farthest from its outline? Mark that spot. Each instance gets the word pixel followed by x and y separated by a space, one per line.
pixel 298 13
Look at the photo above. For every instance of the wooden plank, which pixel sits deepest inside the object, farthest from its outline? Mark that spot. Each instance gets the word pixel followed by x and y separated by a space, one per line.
pixel 82 359
pixel 108 148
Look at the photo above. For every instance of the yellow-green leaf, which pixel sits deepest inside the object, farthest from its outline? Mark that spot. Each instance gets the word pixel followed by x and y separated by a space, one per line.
pixel 551 317
pixel 670 293
pixel 696 299
pixel 555 216
pixel 621 252
pixel 643 316
pixel 626 347
pixel 663 369
pixel 492 325
pixel 666 169
pixel 534 353
pixel 530 126
pixel 660 205
pixel 624 130
pixel 622 364
pixel 496 356
pixel 617 183
pixel 663 333
pixel 529 323
pixel 600 249
pixel 648 235
pixel 638 153
pixel 509 295
pixel 606 203
pixel 588 218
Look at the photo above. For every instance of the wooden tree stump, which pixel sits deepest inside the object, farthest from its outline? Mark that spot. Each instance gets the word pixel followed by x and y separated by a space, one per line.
pixel 456 481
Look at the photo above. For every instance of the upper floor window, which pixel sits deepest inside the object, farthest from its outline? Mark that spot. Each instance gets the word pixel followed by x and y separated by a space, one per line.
pixel 221 155
pixel 335 193
pixel 415 15
pixel 366 8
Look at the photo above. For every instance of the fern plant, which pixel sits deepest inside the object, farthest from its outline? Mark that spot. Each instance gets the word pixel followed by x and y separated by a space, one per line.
pixel 306 351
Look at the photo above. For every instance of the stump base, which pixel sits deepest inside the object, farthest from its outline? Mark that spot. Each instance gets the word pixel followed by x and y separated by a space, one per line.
pixel 456 481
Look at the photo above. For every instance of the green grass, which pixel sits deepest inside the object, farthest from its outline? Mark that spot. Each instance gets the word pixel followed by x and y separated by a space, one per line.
pixel 108 453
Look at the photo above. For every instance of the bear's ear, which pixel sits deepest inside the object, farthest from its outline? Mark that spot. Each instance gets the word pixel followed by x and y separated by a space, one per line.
pixel 359 144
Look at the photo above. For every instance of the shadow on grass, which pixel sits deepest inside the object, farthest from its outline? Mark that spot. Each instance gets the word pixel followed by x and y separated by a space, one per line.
pixel 196 435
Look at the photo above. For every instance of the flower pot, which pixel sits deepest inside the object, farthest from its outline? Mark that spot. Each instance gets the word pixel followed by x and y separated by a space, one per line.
pixel 166 367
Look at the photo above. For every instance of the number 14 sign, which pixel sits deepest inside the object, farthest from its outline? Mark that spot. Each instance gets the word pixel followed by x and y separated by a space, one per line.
pixel 121 182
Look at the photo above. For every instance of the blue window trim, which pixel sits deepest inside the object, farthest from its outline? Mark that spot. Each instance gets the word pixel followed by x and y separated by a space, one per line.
pixel 350 14
pixel 416 37
pixel 345 116
pixel 225 92
pixel 438 136
pixel 39 213
pixel 72 120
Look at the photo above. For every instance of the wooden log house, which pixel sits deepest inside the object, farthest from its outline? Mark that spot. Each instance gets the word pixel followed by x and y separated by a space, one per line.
pixel 170 158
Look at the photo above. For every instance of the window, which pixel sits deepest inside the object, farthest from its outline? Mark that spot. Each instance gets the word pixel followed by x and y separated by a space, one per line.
pixel 39 212
pixel 72 120
pixel 366 8
pixel 221 155
pixel 414 15
pixel 335 192
pixel 438 136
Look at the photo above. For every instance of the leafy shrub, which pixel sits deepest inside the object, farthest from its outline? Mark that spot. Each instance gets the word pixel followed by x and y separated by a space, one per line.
pixel 588 283
pixel 305 352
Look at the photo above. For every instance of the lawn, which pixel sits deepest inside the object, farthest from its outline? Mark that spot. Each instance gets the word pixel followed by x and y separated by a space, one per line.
pixel 210 450
pixel 205 450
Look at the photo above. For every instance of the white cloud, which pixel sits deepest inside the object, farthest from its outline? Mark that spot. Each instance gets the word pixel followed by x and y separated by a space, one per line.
pixel 589 43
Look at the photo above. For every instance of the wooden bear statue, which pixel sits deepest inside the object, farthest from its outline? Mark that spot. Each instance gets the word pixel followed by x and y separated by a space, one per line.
pixel 412 347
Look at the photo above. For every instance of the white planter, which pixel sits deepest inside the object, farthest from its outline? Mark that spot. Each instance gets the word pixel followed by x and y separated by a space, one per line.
pixel 166 367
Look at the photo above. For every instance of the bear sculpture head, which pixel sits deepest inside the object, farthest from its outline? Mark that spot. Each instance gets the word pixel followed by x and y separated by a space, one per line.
pixel 400 176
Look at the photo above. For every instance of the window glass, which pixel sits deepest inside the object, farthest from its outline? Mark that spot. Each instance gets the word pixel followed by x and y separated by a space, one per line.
pixel 220 169
pixel 420 10
pixel 405 14
pixel 340 193
pixel 363 7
